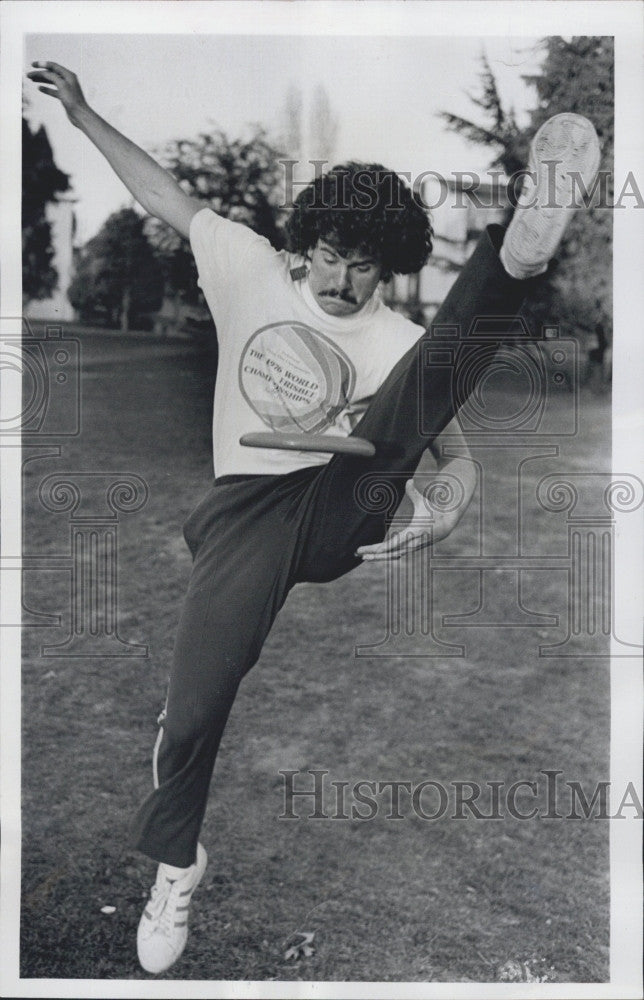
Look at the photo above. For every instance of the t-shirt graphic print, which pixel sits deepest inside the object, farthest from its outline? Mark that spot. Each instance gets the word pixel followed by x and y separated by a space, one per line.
pixel 295 378
pixel 284 364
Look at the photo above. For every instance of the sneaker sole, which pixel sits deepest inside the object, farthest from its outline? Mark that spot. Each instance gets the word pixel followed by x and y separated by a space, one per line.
pixel 545 209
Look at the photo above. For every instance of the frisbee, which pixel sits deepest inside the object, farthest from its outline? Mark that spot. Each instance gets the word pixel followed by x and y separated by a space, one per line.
pixel 309 442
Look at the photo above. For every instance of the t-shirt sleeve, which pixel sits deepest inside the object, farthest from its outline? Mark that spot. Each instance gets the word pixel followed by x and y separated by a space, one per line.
pixel 223 251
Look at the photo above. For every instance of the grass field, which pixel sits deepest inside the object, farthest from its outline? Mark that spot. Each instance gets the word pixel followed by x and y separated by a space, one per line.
pixel 387 900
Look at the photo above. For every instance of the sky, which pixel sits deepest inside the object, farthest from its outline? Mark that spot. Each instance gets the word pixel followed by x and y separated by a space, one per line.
pixel 385 91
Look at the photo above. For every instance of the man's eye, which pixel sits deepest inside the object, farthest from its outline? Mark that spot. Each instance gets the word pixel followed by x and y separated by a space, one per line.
pixel 363 268
pixel 329 260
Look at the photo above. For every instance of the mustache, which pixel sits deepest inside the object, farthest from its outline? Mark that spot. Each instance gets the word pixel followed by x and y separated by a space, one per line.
pixel 343 296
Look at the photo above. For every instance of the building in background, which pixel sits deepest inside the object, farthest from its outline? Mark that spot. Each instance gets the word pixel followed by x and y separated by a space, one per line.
pixel 459 218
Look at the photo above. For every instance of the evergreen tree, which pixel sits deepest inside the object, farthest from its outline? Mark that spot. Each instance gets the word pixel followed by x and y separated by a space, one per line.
pixel 499 129
pixel 42 181
pixel 308 133
pixel 576 75
pixel 291 125
pixel 324 125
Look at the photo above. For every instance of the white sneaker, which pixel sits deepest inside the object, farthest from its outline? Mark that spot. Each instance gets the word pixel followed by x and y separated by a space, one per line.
pixel 549 196
pixel 163 928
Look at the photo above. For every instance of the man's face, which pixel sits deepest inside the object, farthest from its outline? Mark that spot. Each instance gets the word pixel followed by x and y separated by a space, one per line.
pixel 341 282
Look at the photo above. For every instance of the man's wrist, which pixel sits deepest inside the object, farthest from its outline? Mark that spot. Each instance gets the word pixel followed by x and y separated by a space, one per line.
pixel 82 117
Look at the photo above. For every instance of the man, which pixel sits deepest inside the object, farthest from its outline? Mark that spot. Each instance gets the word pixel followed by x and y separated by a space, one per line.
pixel 305 343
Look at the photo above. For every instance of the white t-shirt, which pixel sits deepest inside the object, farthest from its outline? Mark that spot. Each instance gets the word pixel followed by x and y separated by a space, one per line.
pixel 284 364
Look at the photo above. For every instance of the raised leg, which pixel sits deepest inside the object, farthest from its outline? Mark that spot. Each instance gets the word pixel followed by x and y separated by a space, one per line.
pixel 411 408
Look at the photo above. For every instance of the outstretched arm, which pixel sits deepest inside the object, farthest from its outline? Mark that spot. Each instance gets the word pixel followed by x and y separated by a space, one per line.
pixel 414 535
pixel 152 186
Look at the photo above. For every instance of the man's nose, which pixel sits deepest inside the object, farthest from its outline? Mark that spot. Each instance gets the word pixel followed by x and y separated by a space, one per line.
pixel 344 278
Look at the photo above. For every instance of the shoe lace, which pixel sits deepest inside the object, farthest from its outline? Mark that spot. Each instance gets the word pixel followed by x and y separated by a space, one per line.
pixel 159 895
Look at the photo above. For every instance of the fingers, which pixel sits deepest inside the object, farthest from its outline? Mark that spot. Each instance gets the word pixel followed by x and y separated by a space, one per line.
pixel 384 550
pixel 54 73
pixel 390 554
pixel 395 547
pixel 385 556
pixel 54 67
pixel 43 76
pixel 49 91
pixel 49 73
pixel 60 83
pixel 59 69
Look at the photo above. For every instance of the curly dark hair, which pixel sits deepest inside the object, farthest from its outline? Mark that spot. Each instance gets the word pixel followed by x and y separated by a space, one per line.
pixel 363 207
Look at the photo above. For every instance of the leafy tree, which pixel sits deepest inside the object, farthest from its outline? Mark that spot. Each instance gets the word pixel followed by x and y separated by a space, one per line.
pixel 576 75
pixel 42 181
pixel 118 277
pixel 240 179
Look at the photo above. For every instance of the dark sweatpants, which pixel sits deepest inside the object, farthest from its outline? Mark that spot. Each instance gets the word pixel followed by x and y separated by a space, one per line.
pixel 254 537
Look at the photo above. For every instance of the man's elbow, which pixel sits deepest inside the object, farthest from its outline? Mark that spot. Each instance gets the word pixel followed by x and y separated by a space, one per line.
pixel 151 203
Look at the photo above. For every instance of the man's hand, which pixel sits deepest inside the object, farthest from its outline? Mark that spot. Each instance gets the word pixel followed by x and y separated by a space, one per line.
pixel 438 509
pixel 428 525
pixel 63 85
pixel 152 186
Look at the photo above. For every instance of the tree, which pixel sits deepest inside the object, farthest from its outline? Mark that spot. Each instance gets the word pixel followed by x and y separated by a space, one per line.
pixel 324 125
pixel 291 121
pixel 499 130
pixel 42 181
pixel 308 134
pixel 117 275
pixel 240 179
pixel 576 75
